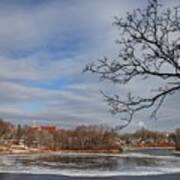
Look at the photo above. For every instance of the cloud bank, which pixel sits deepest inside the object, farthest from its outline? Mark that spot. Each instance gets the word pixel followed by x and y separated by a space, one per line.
pixel 44 47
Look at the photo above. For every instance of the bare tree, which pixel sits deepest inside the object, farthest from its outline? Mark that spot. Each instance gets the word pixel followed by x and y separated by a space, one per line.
pixel 149 46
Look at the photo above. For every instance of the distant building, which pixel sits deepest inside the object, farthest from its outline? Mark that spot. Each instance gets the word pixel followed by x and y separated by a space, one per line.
pixel 49 129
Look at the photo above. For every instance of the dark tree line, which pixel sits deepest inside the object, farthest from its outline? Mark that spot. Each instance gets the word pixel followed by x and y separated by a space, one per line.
pixel 149 47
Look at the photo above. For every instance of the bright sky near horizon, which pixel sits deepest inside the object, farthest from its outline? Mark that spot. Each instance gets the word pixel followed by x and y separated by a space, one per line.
pixel 45 44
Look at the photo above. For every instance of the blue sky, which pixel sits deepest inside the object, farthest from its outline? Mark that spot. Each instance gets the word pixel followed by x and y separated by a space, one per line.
pixel 44 46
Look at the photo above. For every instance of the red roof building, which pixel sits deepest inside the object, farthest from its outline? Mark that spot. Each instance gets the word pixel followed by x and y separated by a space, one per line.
pixel 49 129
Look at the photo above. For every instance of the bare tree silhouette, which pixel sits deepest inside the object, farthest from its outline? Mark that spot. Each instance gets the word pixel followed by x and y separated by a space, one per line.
pixel 149 46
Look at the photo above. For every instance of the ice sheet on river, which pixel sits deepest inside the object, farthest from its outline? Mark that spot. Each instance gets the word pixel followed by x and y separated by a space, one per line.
pixel 92 165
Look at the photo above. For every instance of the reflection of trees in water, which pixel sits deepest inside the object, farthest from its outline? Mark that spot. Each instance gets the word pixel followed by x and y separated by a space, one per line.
pixel 155 152
pixel 138 161
pixel 94 162
pixel 147 162
pixel 83 162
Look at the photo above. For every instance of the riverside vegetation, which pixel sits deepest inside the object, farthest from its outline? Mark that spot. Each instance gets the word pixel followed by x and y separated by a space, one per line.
pixel 98 139
pixel 84 138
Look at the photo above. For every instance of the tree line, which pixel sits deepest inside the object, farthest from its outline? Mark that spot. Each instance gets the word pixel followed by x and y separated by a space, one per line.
pixel 80 138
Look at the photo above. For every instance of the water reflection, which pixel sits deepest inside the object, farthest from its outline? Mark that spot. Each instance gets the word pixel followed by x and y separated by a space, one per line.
pixel 92 162
pixel 75 162
pixel 68 163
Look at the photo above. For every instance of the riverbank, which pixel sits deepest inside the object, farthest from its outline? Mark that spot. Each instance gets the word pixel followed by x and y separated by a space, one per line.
pixel 15 149
pixel 148 147
pixel 7 176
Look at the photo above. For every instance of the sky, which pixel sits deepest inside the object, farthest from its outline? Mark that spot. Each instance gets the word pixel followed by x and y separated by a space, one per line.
pixel 44 46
